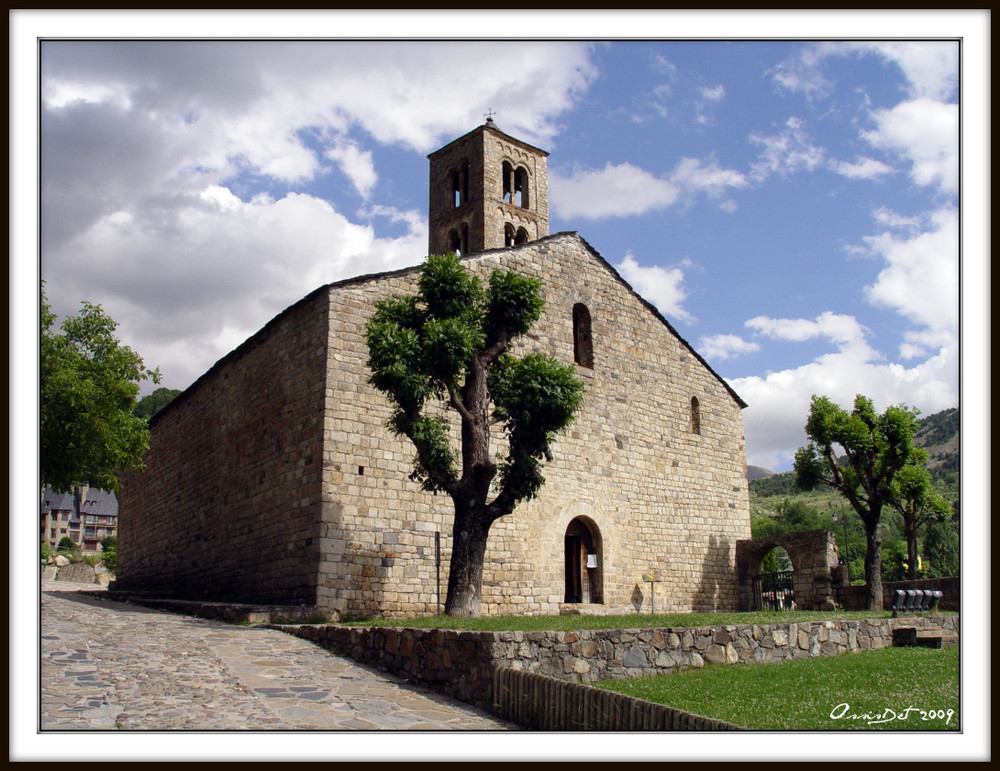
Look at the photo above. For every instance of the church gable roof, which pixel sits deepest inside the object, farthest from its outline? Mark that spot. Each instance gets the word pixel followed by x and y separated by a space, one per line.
pixel 618 277
pixel 597 256
pixel 263 333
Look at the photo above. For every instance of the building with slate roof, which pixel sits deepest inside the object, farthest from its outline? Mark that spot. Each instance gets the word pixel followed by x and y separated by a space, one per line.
pixel 85 515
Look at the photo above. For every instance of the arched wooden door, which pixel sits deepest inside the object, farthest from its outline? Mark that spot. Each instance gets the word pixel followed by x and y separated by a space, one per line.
pixel 582 543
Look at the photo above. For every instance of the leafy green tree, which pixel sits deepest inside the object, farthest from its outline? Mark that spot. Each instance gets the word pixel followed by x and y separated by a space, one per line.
pixel 942 548
pixel 894 566
pixel 154 402
pixel 448 346
pixel 874 448
pixel 918 503
pixel 109 552
pixel 67 544
pixel 88 387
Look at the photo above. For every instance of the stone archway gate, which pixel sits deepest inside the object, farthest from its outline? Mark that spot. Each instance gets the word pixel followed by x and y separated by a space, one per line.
pixel 813 554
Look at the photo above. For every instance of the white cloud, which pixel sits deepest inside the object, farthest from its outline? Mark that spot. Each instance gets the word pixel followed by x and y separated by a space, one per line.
pixel 664 66
pixel 356 164
pixel 691 174
pixel 625 190
pixel 844 331
pixel 173 187
pixel 930 67
pixel 615 191
pixel 714 94
pixel 862 168
pixel 185 302
pixel 788 151
pixel 924 132
pixel 920 277
pixel 779 402
pixel 663 287
pixel 919 281
pixel 725 346
pixel 801 73
pixel 893 219
pixel 249 102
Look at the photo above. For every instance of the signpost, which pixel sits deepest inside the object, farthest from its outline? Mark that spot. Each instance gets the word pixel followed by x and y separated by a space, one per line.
pixel 652 579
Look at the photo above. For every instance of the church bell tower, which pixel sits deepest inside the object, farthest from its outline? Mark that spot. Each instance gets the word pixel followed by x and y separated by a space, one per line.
pixel 488 190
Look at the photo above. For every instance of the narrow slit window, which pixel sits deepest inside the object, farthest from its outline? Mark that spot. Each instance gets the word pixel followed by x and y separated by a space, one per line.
pixel 695 416
pixel 583 343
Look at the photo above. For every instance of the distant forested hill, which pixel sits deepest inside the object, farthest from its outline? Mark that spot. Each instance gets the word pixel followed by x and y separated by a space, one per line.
pixel 939 435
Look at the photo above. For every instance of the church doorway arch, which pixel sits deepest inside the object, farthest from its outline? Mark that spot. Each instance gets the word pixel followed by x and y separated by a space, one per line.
pixel 583 554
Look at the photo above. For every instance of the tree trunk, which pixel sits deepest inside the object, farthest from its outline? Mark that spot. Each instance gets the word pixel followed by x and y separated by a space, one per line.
pixel 873 564
pixel 468 552
pixel 911 551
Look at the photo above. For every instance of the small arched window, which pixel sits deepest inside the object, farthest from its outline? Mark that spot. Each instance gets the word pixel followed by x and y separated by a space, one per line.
pixel 509 236
pixel 458 240
pixel 583 344
pixel 521 236
pixel 695 416
pixel 508 182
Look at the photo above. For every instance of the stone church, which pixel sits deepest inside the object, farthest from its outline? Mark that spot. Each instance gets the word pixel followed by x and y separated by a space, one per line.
pixel 273 479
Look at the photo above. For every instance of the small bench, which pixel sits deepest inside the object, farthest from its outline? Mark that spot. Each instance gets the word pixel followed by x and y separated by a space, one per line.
pixel 926 637
pixel 910 601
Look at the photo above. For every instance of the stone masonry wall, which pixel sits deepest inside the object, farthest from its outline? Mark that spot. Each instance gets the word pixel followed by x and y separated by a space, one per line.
pixel 663 498
pixel 228 508
pixel 462 663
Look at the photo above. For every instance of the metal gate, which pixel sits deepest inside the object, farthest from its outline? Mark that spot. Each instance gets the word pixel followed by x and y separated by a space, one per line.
pixel 774 591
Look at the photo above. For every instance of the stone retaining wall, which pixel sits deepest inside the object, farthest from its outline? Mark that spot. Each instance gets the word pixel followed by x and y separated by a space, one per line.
pixel 462 664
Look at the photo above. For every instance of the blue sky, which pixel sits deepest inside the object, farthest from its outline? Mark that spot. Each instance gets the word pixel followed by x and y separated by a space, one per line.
pixel 791 207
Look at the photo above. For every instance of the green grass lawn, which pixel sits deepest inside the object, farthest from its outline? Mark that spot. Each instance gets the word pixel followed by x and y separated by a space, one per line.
pixel 879 688
pixel 632 621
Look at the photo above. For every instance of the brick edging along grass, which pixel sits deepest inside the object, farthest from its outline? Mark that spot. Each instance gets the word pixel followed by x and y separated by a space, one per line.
pixel 462 664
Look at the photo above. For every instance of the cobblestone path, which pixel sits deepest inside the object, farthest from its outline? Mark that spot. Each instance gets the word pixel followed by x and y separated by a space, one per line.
pixel 108 665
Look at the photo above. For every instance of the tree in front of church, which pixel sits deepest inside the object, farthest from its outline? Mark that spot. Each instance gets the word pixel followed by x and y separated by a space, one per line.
pixel 918 503
pixel 447 350
pixel 861 454
pixel 88 387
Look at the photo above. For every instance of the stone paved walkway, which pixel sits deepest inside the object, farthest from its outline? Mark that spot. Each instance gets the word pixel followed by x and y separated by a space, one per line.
pixel 108 665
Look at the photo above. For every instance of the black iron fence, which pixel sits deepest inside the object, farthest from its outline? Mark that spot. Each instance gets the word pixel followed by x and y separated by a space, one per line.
pixel 774 591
